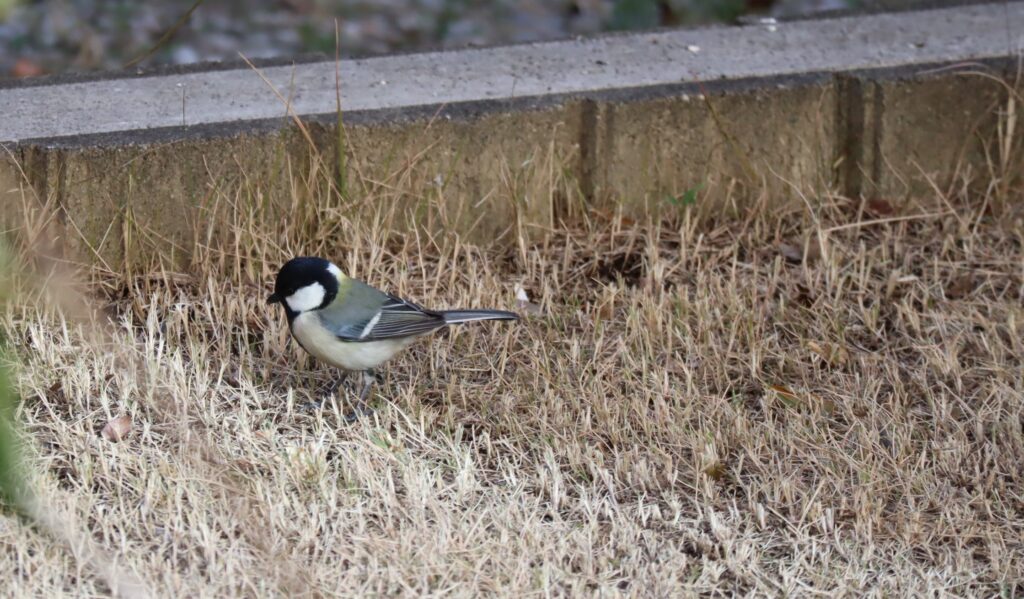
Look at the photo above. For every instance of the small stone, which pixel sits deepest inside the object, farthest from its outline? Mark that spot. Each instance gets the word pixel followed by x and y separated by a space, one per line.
pixel 184 55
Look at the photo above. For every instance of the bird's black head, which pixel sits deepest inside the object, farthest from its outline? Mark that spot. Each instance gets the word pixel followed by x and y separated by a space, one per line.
pixel 305 284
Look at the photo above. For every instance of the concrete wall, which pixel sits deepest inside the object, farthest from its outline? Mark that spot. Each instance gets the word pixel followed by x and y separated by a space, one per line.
pixel 477 165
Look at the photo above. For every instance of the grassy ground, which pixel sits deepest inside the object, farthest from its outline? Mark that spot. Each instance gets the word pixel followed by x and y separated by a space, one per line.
pixel 826 400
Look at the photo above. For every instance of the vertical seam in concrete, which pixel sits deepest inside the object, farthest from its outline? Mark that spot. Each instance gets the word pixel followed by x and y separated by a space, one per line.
pixel 588 148
pixel 57 165
pixel 606 147
pixel 877 109
pixel 850 127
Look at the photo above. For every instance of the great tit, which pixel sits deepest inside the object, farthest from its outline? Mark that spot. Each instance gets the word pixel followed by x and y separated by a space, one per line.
pixel 350 325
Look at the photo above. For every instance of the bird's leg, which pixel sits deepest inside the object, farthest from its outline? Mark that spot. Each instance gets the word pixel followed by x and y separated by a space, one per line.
pixel 369 378
pixel 337 384
pixel 361 409
pixel 331 390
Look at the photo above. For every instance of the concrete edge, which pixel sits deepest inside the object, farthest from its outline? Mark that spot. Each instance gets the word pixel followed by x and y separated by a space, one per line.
pixel 462 111
pixel 160 71
pixel 584 68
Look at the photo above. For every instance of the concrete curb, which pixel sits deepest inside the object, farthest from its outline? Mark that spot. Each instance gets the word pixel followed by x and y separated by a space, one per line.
pixel 875 104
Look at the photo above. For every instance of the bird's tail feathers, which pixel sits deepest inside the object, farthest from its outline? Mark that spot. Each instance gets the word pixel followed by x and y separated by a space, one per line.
pixel 460 316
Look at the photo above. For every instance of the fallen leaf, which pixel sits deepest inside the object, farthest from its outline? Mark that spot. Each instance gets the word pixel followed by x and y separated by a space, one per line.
pixel 55 390
pixel 879 208
pixel 117 429
pixel 24 67
pixel 715 470
pixel 833 353
pixel 786 394
pixel 813 249
pixel 797 254
pixel 602 214
pixel 245 465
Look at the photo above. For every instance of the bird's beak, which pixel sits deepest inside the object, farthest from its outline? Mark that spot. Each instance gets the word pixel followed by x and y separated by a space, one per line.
pixel 274 299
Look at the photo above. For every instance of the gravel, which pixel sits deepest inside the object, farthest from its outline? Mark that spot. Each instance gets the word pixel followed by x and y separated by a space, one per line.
pixel 54 36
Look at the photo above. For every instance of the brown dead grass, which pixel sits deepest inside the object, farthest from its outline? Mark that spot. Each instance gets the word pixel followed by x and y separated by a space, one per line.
pixel 827 400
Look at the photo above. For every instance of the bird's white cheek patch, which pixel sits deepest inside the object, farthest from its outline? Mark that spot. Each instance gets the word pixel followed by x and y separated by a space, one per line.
pixel 307 298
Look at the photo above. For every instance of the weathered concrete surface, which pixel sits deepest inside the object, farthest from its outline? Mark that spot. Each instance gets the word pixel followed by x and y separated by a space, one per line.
pixel 919 133
pixel 472 168
pixel 589 124
pixel 129 200
pixel 448 174
pixel 22 199
pixel 11 192
pixel 741 138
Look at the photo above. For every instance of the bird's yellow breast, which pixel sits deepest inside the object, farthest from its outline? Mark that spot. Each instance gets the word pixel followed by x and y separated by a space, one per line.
pixel 323 345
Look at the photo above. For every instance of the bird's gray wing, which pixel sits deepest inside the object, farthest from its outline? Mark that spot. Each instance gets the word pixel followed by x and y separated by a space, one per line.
pixel 362 313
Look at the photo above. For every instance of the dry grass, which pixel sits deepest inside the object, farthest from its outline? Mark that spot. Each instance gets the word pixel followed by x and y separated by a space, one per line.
pixel 787 404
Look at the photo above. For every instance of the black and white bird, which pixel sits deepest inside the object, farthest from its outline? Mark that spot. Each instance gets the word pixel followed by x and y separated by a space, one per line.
pixel 350 325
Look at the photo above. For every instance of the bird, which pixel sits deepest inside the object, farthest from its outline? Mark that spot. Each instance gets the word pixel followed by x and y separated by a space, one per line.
pixel 350 325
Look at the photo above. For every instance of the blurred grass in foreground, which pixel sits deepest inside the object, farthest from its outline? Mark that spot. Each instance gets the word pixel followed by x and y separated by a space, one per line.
pixel 11 479
pixel 13 490
pixel 6 6
pixel 45 511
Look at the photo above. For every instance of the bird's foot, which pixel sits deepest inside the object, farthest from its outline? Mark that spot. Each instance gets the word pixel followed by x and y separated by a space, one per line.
pixel 336 387
pixel 326 393
pixel 361 408
pixel 311 406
